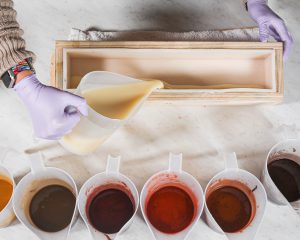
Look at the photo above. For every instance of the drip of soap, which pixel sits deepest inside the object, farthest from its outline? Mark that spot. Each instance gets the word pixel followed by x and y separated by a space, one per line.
pixel 118 102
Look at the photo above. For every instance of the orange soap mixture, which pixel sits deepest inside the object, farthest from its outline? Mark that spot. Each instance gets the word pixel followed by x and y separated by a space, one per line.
pixel 6 190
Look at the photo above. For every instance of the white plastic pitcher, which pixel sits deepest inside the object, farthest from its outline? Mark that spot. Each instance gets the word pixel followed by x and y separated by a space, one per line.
pixel 7 214
pixel 39 177
pixel 110 176
pixel 232 172
pixel 174 175
pixel 290 149
pixel 287 147
pixel 94 129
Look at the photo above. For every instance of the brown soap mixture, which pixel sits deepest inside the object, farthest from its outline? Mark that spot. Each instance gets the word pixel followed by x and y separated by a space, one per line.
pixel 230 207
pixel 51 208
pixel 6 190
pixel 285 173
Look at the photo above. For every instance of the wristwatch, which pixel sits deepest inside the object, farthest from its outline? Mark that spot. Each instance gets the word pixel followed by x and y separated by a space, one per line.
pixel 9 77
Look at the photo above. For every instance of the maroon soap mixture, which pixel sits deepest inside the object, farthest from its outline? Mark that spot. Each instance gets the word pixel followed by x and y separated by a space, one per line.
pixel 109 210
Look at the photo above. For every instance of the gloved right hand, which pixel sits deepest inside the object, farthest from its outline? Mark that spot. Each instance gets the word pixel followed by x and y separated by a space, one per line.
pixel 48 108
pixel 270 23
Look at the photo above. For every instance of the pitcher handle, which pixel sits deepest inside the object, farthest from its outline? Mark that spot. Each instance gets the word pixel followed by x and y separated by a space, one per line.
pixel 113 164
pixel 36 162
pixel 175 162
pixel 230 160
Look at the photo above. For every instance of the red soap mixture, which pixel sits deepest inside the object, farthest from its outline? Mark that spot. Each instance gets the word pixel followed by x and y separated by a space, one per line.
pixel 170 209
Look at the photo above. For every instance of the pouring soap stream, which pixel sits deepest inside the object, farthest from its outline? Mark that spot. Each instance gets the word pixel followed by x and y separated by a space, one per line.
pixel 214 86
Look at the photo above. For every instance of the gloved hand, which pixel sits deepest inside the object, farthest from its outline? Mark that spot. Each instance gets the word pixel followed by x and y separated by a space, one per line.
pixel 49 107
pixel 270 24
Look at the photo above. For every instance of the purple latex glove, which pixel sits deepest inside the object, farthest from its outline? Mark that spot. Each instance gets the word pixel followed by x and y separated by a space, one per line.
pixel 53 112
pixel 270 24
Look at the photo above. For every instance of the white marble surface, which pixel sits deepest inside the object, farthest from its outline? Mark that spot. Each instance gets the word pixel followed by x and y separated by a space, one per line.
pixel 195 130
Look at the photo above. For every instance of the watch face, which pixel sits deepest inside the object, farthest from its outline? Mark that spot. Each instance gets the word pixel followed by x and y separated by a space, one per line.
pixel 8 79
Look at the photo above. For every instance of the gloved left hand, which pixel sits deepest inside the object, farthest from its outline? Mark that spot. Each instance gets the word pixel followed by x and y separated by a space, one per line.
pixel 270 23
pixel 53 112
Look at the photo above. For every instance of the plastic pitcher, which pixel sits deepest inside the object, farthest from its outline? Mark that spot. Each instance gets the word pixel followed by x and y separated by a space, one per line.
pixel 111 176
pixel 39 177
pixel 173 176
pixel 7 214
pixel 232 172
pixel 94 129
pixel 289 149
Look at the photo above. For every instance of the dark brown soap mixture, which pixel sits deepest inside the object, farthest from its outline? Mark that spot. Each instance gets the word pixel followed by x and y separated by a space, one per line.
pixel 170 209
pixel 51 208
pixel 285 173
pixel 110 210
pixel 230 207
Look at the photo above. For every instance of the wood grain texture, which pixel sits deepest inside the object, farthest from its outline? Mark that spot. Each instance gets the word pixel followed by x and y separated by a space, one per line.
pixel 206 98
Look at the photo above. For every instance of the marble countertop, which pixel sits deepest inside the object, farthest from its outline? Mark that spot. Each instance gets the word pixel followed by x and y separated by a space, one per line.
pixel 158 128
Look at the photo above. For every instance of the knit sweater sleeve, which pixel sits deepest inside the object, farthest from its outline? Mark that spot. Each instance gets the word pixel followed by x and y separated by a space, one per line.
pixel 12 45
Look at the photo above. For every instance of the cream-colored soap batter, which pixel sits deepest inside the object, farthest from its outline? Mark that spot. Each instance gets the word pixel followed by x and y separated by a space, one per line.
pixel 118 102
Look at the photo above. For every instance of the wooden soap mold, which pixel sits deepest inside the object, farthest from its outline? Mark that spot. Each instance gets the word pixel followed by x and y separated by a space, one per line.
pixel 206 97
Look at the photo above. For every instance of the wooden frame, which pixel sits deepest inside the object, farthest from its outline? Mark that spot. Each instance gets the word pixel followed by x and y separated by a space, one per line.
pixel 205 97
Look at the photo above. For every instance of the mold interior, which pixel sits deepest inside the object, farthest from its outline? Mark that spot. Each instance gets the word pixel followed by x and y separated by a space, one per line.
pixel 232 68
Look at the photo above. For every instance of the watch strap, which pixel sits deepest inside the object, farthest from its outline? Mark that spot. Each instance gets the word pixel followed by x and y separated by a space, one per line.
pixel 21 66
pixel 9 77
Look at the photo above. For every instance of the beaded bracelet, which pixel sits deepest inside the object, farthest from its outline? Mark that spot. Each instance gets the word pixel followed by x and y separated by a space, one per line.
pixel 22 66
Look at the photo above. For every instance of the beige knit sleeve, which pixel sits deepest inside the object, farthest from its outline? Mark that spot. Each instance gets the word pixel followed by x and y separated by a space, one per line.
pixel 12 45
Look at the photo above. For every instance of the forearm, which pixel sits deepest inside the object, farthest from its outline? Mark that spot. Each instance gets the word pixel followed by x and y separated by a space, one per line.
pixel 12 45
pixel 247 2
pixel 256 1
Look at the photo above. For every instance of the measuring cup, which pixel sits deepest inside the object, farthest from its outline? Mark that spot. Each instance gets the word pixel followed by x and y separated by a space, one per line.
pixel 233 172
pixel 94 129
pixel 39 177
pixel 7 214
pixel 173 176
pixel 103 181
pixel 289 149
